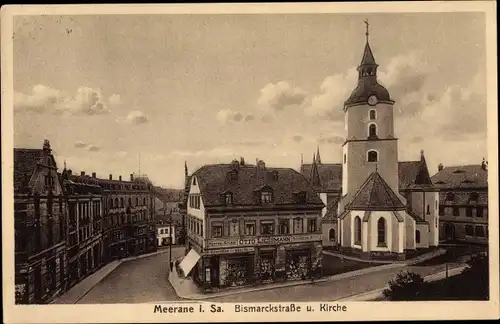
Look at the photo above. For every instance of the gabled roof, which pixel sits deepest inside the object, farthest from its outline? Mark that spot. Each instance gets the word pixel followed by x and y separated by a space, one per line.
pixel 213 181
pixel 25 161
pixel 462 176
pixel 375 194
pixel 330 175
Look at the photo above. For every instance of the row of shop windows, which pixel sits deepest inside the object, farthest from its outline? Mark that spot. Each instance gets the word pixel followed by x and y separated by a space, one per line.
pixel 480 211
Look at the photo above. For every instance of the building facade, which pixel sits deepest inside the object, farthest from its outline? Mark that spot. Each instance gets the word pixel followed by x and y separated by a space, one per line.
pixel 40 226
pixel 166 233
pixel 463 207
pixel 129 226
pixel 84 243
pixel 385 208
pixel 249 224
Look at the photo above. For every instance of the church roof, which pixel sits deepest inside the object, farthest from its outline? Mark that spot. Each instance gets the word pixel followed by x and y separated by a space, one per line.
pixel 368 58
pixel 375 194
pixel 330 175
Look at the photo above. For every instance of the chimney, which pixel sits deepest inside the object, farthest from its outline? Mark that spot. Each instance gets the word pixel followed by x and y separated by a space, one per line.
pixel 242 161
pixel 131 177
pixel 82 173
pixel 484 165
pixel 93 175
pixel 119 178
pixel 440 167
pixel 110 177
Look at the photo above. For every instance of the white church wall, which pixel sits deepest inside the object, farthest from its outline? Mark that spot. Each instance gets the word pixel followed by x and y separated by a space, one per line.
pixel 433 218
pixel 346 231
pixel 326 227
pixel 373 233
pixel 409 232
pixel 424 236
pixel 364 236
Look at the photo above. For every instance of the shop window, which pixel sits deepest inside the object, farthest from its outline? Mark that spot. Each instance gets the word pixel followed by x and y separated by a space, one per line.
pixel 311 225
pixel 250 229
pixel 297 225
pixel 468 212
pixel 266 197
pixel 479 212
pixel 284 226
pixel 331 235
pixel 456 211
pixel 372 156
pixel 381 231
pixel 480 231
pixel 441 210
pixel 266 227
pixel 469 230
pixel 357 230
pixel 417 237
pixel 216 230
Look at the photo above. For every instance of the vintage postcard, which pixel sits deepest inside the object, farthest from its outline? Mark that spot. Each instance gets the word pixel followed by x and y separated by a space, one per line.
pixel 249 162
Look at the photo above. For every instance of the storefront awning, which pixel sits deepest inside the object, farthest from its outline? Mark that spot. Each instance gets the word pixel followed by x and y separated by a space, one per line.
pixel 189 261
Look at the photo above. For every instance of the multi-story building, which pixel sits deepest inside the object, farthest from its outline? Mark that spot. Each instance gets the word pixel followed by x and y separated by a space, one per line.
pixel 166 233
pixel 128 217
pixel 251 224
pixel 40 226
pixel 84 243
pixel 463 207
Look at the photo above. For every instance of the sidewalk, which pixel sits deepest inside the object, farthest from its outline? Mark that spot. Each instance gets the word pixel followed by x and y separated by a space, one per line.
pixel 374 294
pixel 420 258
pixel 78 291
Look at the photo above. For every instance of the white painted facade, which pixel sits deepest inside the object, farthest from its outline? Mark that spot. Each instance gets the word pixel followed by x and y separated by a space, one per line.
pixel 163 234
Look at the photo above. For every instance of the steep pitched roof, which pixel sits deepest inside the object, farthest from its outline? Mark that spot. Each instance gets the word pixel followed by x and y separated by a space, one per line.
pixel 368 58
pixel 462 176
pixel 330 175
pixel 25 161
pixel 213 180
pixel 375 194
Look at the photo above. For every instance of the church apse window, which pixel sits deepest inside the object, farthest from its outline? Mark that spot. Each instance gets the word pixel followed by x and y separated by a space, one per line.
pixel 373 114
pixel 372 156
pixel 381 229
pixel 357 230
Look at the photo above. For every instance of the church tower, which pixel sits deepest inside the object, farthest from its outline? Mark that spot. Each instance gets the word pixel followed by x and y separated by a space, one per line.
pixel 370 143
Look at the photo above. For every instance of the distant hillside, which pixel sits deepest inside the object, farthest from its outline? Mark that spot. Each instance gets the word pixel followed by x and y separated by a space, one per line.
pixel 167 194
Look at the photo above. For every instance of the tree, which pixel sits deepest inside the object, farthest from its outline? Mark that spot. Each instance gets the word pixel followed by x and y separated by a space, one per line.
pixel 476 277
pixel 405 286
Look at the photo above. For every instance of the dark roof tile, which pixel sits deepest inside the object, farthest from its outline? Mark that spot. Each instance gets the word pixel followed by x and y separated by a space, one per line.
pixel 375 194
pixel 25 161
pixel 463 176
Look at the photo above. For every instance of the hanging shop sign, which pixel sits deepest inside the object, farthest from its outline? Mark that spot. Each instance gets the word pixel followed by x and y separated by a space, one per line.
pixel 262 240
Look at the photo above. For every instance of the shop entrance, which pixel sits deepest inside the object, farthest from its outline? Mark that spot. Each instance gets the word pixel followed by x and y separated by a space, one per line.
pixel 298 264
pixel 235 271
pixel 267 266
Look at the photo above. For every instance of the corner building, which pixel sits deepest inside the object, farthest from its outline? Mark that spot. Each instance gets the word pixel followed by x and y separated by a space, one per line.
pixel 250 224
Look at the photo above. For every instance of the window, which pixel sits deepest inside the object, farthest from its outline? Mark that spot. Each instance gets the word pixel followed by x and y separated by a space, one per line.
pixel 456 211
pixel 234 228
pixel 136 201
pixel 372 156
pixel 469 231
pixel 428 210
pixel 266 197
pixel 331 235
pixel 468 212
pixel 479 212
pixel 297 225
pixel 284 226
pixel 116 203
pixel 229 198
pixel 381 232
pixel 122 203
pixel 357 230
pixel 479 231
pixel 345 158
pixel 441 210
pixel 201 229
pixel 372 130
pixel 473 197
pixel 250 229
pixel 311 225
pixel 266 227
pixel 373 114
pixel 417 237
pixel 450 196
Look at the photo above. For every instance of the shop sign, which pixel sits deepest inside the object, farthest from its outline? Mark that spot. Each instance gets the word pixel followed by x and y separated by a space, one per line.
pixel 263 240
pixel 229 251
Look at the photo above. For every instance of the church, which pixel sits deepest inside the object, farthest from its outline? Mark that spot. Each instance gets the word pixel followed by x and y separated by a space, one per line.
pixel 377 207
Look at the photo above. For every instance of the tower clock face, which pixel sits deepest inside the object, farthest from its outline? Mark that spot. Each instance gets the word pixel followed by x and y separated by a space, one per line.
pixel 372 100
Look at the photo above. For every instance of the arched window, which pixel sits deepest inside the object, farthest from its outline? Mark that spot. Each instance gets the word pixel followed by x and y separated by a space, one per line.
pixel 480 231
pixel 417 236
pixel 130 202
pixel 116 203
pixel 121 202
pixel 144 201
pixel 381 232
pixel 373 114
pixel 331 235
pixel 137 201
pixel 469 231
pixel 345 158
pixel 372 130
pixel 428 209
pixel 372 156
pixel 110 202
pixel 357 230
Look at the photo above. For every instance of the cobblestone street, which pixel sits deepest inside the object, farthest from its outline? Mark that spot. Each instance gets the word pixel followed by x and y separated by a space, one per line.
pixel 137 281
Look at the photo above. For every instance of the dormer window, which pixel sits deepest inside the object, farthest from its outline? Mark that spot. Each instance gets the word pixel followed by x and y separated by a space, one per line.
pixel 300 197
pixel 228 198
pixel 266 197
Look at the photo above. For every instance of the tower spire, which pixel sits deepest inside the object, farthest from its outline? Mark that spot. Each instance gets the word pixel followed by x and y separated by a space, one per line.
pixel 367 30
pixel 301 160
pixel 318 157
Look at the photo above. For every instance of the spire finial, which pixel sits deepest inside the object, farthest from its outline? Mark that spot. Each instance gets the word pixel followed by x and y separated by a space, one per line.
pixel 367 29
pixel 318 157
pixel 64 163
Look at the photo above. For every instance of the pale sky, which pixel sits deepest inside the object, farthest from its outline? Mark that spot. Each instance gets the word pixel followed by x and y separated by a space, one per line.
pixel 211 88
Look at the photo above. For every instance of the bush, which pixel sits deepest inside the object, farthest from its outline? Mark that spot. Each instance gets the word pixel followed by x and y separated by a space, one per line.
pixel 476 275
pixel 405 286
